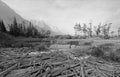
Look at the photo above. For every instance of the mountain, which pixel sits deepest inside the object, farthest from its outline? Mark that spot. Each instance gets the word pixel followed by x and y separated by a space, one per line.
pixel 7 15
pixel 43 25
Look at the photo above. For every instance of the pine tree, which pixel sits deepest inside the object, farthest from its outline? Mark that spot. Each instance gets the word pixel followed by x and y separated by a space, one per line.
pixel 2 26
pixel 14 30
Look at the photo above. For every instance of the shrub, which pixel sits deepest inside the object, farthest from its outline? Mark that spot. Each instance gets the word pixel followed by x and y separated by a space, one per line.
pixel 118 51
pixel 114 57
pixel 105 52
pixel 107 44
pixel 88 43
pixel 41 47
pixel 106 47
pixel 107 37
pixel 97 52
pixel 6 40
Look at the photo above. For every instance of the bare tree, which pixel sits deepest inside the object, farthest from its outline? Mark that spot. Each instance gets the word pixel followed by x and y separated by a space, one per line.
pixel 77 28
pixel 98 30
pixel 106 30
pixel 89 30
pixel 119 32
pixel 112 33
pixel 85 31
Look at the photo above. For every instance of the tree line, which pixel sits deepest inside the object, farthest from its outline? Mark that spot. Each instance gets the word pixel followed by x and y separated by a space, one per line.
pixel 99 30
pixel 21 29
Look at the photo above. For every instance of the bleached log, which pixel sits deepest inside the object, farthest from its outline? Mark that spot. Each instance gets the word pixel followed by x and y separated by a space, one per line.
pixel 2 74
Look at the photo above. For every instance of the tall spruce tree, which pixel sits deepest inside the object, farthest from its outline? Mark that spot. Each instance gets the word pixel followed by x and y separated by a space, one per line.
pixel 14 28
pixel 2 26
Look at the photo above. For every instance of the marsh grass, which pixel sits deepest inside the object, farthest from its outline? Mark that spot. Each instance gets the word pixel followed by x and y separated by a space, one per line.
pixel 107 52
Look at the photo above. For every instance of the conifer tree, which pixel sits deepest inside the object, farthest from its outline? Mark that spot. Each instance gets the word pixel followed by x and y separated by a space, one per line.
pixel 2 26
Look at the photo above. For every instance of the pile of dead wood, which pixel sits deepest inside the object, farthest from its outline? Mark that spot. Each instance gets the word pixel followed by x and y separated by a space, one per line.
pixel 54 64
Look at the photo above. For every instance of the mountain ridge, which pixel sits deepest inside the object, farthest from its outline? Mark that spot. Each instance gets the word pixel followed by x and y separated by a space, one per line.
pixel 42 24
pixel 7 14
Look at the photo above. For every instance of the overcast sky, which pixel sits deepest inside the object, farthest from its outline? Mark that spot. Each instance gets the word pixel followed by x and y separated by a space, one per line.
pixel 65 13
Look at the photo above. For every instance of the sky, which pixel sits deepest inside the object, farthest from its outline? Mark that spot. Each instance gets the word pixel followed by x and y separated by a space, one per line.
pixel 64 14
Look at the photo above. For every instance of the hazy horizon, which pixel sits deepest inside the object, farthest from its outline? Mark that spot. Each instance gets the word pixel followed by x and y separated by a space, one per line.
pixel 64 14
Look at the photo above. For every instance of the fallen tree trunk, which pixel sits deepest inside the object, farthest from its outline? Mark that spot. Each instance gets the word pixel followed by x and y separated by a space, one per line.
pixel 2 74
pixel 55 73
